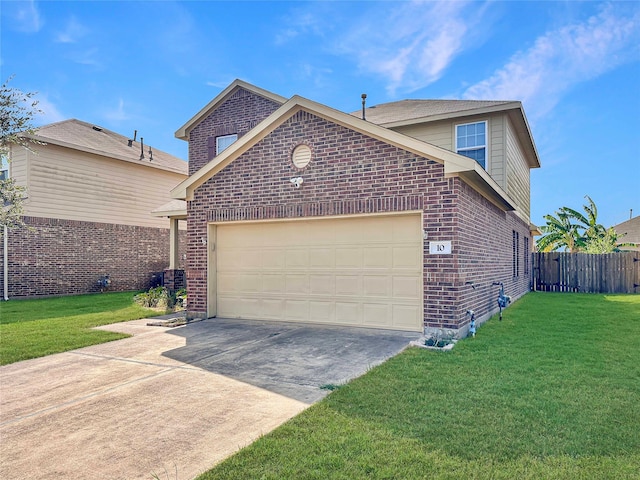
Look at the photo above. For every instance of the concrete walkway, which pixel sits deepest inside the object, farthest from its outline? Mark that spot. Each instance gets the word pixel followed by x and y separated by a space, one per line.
pixel 163 400
pixel 122 410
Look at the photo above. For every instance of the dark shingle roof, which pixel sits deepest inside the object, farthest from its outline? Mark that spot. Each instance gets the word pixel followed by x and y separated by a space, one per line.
pixel 94 139
pixel 629 230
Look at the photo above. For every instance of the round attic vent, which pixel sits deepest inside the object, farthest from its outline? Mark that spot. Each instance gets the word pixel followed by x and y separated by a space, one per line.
pixel 301 156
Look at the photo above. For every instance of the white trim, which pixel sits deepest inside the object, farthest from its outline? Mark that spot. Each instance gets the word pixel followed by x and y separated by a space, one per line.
pixel 220 149
pixel 477 147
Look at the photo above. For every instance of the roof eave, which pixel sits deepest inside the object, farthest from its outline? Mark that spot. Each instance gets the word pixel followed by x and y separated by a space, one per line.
pixel 475 176
pixel 183 132
pixel 461 113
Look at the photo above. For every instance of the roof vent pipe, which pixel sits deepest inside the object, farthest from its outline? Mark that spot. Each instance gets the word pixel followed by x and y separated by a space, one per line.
pixel 135 133
pixel 141 148
pixel 364 100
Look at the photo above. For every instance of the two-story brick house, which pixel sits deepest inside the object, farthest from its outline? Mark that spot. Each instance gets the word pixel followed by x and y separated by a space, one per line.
pixel 402 220
pixel 88 213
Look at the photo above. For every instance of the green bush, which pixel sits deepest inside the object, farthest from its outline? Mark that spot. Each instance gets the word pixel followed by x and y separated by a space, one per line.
pixel 157 297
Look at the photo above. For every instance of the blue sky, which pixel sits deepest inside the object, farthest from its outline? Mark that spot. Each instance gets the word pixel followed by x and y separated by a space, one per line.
pixel 151 66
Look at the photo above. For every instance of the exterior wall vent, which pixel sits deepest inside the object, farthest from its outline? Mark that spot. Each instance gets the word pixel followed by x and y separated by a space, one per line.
pixel 301 156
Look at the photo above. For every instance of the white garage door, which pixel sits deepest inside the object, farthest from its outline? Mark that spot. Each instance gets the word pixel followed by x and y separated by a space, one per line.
pixel 359 271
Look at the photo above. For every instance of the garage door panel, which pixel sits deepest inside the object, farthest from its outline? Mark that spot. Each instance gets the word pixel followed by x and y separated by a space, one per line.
pixel 406 316
pixel 376 314
pixel 296 310
pixel 376 285
pixel 348 313
pixel 322 284
pixel 273 258
pixel 348 257
pixel 272 308
pixel 297 284
pixel 408 257
pixel 350 285
pixel 322 311
pixel 360 271
pixel 322 258
pixel 405 228
pixel 406 287
pixel 377 257
pixel 297 258
pixel 274 283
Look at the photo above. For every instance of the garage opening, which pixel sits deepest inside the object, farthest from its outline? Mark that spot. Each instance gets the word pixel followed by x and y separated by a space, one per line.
pixel 356 271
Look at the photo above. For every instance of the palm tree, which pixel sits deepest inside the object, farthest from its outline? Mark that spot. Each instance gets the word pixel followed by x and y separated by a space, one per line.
pixel 560 232
pixel 592 230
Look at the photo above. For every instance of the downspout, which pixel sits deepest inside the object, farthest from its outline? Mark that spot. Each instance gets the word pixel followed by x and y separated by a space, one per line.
pixel 5 263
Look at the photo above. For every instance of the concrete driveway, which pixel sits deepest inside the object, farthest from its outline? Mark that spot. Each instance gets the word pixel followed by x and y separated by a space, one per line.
pixel 168 400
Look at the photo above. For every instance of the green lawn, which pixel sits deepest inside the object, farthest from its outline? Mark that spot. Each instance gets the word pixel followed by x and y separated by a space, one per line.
pixel 35 328
pixel 551 392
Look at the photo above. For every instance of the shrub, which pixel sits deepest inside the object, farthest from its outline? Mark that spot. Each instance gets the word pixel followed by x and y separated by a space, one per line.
pixel 157 297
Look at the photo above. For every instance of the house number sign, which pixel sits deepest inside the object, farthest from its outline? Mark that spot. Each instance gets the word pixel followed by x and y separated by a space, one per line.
pixel 440 248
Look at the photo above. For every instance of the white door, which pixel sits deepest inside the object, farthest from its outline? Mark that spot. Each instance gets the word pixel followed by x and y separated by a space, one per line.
pixel 358 271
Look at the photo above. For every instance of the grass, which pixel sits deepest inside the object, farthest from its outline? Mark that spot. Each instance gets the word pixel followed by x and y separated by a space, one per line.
pixel 39 327
pixel 552 391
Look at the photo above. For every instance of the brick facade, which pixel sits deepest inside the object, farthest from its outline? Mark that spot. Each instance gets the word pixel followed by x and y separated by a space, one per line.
pixel 60 257
pixel 240 112
pixel 351 173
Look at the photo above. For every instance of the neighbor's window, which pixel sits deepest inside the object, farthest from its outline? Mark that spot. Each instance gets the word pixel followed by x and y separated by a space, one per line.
pixel 223 142
pixel 471 141
pixel 516 254
pixel 525 242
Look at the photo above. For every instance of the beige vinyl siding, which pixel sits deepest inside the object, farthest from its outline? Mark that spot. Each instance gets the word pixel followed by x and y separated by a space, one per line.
pixel 18 167
pixel 518 181
pixel 443 135
pixel 73 185
pixel 496 144
pixel 436 133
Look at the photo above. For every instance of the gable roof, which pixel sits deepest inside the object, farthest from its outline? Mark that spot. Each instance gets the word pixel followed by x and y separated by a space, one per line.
pixel 454 164
pixel 183 132
pixel 630 230
pixel 86 137
pixel 411 112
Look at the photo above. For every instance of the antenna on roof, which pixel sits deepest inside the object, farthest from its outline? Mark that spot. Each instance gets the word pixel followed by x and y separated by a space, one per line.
pixel 141 148
pixel 135 133
pixel 150 155
pixel 364 101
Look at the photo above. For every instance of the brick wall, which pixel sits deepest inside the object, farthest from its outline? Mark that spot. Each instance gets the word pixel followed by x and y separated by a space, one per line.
pixel 59 257
pixel 351 173
pixel 239 113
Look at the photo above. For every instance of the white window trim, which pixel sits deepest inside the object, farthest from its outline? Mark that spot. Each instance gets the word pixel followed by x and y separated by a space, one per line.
pixel 233 135
pixel 486 140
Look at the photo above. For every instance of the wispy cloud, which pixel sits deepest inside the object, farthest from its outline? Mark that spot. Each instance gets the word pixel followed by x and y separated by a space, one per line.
pixel 25 16
pixel 50 112
pixel 415 42
pixel 563 58
pixel 301 23
pixel 117 113
pixel 89 57
pixel 73 32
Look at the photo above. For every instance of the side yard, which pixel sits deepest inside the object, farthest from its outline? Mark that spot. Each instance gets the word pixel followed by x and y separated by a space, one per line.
pixel 39 327
pixel 550 392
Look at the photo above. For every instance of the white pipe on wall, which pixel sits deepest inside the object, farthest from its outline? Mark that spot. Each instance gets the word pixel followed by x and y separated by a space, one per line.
pixel 6 263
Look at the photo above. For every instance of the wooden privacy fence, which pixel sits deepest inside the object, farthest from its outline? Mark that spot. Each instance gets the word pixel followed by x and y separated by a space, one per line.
pixel 582 272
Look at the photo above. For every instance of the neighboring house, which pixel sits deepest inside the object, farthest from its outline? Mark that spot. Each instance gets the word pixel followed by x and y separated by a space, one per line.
pixel 298 212
pixel 629 232
pixel 90 196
